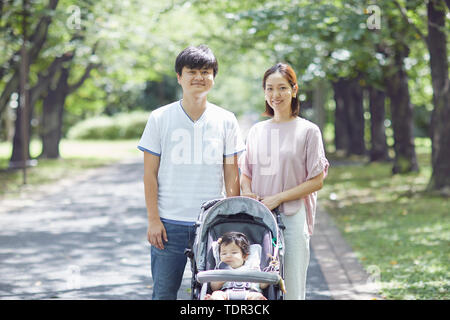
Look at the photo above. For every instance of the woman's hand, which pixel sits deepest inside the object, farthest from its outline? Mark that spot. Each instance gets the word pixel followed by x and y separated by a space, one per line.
pixel 272 202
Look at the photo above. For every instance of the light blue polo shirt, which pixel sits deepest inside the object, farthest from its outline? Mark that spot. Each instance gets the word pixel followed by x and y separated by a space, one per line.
pixel 191 157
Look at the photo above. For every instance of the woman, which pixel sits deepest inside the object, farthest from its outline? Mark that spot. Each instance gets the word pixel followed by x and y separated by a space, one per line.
pixel 284 166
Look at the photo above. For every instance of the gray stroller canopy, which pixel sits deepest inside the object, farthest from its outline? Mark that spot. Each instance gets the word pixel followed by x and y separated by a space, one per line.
pixel 228 207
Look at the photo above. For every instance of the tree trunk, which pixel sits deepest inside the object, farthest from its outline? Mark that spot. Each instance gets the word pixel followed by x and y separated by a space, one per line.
pixel 53 108
pixel 16 159
pixel 319 96
pixel 355 113
pixel 341 134
pixel 44 79
pixel 52 116
pixel 379 148
pixel 349 116
pixel 37 40
pixel 401 114
pixel 440 119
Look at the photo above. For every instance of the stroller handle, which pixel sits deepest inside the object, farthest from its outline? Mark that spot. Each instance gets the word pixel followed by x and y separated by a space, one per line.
pixel 238 276
pixel 277 214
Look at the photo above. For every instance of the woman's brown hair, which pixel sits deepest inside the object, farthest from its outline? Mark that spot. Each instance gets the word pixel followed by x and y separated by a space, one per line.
pixel 289 74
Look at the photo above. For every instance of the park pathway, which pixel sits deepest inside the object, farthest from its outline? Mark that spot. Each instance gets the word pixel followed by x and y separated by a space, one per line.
pixel 85 238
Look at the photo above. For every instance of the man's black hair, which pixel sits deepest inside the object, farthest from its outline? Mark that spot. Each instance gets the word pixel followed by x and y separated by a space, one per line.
pixel 196 58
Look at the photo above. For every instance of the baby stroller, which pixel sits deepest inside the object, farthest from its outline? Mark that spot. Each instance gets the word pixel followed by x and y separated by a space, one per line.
pixel 262 227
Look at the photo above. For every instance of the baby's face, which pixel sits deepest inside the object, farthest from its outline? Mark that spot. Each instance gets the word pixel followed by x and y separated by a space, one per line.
pixel 232 255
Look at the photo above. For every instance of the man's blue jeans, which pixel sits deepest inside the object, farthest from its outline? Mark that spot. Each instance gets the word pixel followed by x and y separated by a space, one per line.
pixel 168 264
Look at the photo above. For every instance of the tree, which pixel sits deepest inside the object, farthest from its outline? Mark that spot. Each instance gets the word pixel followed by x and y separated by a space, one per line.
pixel 379 147
pixel 436 41
pixel 33 48
pixel 397 90
pixel 349 116
pixel 394 45
pixel 322 42
pixel 53 106
pixel 440 130
pixel 36 42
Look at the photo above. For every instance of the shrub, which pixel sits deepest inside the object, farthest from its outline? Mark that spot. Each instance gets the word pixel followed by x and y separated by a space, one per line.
pixel 120 126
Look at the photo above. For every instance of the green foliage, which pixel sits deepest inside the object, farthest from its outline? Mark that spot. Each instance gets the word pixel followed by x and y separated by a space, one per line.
pixel 392 223
pixel 120 126
pixel 137 41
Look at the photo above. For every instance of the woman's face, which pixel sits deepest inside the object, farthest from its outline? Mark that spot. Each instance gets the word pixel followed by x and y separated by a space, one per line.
pixel 279 93
pixel 232 255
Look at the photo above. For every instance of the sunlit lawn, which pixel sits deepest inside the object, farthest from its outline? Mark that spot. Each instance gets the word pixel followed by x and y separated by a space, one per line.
pixel 76 156
pixel 393 224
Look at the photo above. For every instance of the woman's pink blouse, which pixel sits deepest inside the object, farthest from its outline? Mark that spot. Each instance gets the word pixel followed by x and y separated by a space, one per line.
pixel 280 156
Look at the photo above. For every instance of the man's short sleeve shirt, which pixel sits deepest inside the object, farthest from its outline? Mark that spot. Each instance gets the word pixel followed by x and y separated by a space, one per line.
pixel 191 156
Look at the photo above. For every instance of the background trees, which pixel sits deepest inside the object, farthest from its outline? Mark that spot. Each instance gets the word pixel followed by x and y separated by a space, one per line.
pixel 370 75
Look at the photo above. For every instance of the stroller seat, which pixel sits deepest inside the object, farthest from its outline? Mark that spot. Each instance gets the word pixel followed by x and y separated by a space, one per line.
pixel 256 232
pixel 250 217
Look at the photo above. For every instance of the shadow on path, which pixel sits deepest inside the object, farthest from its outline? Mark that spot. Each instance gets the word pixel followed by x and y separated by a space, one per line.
pixel 88 241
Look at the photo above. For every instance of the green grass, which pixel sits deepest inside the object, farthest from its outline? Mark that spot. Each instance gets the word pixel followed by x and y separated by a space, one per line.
pixel 76 156
pixel 393 224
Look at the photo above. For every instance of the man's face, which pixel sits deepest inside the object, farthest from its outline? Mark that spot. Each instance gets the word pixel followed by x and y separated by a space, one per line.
pixel 196 81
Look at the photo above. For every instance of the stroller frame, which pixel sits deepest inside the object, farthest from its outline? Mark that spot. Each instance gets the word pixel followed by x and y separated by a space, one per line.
pixel 248 213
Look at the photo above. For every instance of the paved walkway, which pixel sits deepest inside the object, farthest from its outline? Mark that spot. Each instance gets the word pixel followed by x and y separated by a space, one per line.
pixel 85 238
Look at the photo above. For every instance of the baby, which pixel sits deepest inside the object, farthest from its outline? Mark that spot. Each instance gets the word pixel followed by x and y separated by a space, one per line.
pixel 234 250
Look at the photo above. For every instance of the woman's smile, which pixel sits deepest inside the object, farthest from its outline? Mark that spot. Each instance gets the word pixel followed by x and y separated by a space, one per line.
pixel 277 102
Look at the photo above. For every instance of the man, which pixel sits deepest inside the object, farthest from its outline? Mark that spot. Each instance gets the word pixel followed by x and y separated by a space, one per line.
pixel 190 154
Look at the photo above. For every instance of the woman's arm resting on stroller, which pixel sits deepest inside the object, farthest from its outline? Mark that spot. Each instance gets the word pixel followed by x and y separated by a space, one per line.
pixel 298 192
pixel 156 232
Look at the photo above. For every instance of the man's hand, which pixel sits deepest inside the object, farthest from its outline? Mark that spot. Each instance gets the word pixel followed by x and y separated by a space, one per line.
pixel 156 233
